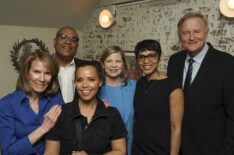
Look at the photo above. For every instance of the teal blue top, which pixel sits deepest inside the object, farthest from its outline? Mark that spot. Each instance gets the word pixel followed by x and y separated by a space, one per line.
pixel 122 98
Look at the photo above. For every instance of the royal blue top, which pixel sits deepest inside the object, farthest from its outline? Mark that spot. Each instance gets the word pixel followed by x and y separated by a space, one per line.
pixel 18 120
pixel 122 98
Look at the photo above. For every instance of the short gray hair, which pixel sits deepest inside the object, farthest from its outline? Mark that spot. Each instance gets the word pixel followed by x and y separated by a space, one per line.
pixel 193 14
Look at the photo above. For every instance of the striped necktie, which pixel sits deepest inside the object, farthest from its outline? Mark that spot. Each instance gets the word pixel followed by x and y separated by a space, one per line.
pixel 188 77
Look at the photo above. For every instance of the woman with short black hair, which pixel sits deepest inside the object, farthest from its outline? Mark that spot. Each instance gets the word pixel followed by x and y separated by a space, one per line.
pixel 158 105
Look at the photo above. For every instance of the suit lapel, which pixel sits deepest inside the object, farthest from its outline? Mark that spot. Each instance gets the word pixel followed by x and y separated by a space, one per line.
pixel 202 72
pixel 181 68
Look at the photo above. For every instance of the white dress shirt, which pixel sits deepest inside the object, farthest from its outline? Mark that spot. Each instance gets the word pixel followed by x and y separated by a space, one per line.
pixel 66 77
pixel 197 63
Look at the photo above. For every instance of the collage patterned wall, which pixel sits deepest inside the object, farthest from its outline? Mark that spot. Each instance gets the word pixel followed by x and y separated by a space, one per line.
pixel 156 20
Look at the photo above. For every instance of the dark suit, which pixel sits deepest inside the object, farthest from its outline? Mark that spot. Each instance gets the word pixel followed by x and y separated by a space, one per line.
pixel 208 124
pixel 78 62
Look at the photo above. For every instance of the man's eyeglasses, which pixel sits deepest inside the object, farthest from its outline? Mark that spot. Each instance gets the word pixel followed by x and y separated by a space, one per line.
pixel 150 57
pixel 73 39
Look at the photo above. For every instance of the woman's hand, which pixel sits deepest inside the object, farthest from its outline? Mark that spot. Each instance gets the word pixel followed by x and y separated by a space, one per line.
pixel 51 117
pixel 49 121
pixel 79 153
pixel 106 103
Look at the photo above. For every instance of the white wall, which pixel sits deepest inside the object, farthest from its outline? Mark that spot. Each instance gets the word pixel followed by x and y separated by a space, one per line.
pixel 156 20
pixel 8 36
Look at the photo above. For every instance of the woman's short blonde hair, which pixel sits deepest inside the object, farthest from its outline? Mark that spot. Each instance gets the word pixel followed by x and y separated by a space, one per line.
pixel 116 49
pixel 48 60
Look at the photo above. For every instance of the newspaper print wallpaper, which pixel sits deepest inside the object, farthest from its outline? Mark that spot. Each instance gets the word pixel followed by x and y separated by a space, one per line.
pixel 155 20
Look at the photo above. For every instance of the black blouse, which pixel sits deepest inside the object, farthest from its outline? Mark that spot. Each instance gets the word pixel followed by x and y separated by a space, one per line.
pixel 151 134
pixel 106 125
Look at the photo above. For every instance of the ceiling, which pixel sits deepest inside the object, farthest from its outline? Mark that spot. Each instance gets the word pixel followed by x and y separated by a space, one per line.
pixel 46 13
pixel 50 13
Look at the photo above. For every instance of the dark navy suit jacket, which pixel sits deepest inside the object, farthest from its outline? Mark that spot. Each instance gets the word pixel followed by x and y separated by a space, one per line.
pixel 208 124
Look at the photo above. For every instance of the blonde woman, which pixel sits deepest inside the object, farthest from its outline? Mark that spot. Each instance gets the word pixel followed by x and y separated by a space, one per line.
pixel 31 110
pixel 118 89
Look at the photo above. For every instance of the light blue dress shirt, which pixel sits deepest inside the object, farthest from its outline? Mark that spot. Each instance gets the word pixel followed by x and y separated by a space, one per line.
pixel 18 120
pixel 197 63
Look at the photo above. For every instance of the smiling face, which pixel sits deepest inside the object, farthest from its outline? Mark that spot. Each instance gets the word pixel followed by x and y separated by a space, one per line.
pixel 113 65
pixel 39 77
pixel 193 34
pixel 66 44
pixel 87 83
pixel 149 64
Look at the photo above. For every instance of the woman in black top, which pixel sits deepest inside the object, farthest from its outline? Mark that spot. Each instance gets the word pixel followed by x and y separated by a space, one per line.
pixel 85 125
pixel 158 105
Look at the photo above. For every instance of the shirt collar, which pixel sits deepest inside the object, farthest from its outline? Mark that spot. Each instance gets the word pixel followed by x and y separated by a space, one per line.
pixel 72 62
pixel 200 56
pixel 22 96
pixel 100 111
pixel 49 97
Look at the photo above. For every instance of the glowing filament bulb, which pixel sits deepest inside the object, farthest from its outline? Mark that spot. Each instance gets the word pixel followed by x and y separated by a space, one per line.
pixel 105 19
pixel 231 4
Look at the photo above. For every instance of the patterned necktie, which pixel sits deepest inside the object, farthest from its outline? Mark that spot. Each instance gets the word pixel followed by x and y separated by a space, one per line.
pixel 188 77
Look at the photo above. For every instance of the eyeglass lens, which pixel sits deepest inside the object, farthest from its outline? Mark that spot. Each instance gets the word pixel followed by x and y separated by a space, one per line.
pixel 149 56
pixel 65 37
